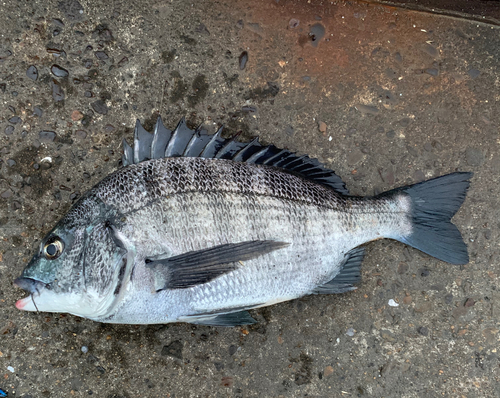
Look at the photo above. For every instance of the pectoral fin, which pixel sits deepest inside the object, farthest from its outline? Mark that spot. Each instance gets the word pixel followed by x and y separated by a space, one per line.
pixel 201 266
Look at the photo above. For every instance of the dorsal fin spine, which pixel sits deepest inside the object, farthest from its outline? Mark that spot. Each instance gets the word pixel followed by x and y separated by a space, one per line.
pixel 197 143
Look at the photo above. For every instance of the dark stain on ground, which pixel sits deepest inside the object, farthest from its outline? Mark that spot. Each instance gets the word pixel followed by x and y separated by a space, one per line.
pixel 102 33
pixel 236 124
pixel 148 124
pixel 116 352
pixel 174 349
pixel 38 180
pixel 168 56
pixel 304 374
pixel 260 94
pixel 17 241
pixel 230 79
pixel 200 89
pixel 118 395
pixel 188 40
pixel 179 89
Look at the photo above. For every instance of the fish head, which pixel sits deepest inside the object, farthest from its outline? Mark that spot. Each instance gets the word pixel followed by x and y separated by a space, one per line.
pixel 76 269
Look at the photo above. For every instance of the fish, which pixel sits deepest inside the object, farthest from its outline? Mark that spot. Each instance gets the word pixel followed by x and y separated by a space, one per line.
pixel 201 229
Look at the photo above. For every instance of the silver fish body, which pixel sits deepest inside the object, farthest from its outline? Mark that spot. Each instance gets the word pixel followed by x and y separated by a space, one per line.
pixel 203 239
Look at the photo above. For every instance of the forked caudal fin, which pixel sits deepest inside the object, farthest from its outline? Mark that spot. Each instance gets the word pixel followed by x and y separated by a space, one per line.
pixel 433 204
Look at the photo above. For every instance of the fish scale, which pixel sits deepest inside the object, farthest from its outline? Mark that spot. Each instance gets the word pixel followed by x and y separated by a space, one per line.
pixel 255 281
pixel 198 228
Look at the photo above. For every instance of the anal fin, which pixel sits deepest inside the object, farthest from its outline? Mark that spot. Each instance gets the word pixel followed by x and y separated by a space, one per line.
pixel 349 274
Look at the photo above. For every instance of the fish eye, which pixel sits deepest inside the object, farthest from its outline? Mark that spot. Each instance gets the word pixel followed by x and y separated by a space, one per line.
pixel 53 248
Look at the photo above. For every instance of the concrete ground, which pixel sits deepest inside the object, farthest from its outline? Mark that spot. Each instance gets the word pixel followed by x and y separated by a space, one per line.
pixel 382 95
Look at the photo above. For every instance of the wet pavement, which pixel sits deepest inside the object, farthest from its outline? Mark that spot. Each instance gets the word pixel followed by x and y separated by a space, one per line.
pixel 384 96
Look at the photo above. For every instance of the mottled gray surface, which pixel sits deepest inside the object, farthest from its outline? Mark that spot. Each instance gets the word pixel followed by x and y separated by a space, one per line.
pixel 386 97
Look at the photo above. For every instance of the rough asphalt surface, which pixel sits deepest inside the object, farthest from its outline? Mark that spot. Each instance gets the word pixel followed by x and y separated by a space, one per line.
pixel 384 96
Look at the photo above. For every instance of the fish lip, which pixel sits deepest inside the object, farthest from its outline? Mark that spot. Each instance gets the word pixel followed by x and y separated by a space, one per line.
pixel 30 285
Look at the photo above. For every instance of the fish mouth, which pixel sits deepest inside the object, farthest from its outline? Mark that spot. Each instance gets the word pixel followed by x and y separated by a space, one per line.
pixel 33 287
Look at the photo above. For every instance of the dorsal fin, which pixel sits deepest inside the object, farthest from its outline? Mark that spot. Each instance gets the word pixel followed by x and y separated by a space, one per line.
pixel 198 143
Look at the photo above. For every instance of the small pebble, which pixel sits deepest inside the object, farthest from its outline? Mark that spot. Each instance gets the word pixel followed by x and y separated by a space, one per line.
pixel 81 133
pixel 367 109
pixel 201 28
pixel 6 194
pixel 243 59
pixel 57 22
pixel 432 71
pixel 392 303
pixel 101 55
pixel 423 331
pixel 9 130
pixel 32 72
pixel 293 23
pixel 10 369
pixel 473 73
pixel 85 349
pixel 232 349
pixel 431 50
pixel 322 127
pixel 350 332
pixel 76 115
pixel 87 63
pixel 37 111
pixel 249 109
pixel 100 107
pixel 57 91
pixel 45 135
pixel 58 71
pixel 402 268
pixel 328 371
pixel 15 120
pixel 469 302
pixel 122 62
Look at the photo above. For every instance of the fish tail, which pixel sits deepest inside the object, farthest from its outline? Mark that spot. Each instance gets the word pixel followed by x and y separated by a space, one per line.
pixel 433 204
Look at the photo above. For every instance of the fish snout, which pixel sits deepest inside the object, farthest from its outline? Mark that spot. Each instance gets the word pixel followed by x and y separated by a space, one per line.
pixel 28 284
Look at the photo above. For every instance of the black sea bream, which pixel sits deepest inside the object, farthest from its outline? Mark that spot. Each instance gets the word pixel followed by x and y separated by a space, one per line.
pixel 196 228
